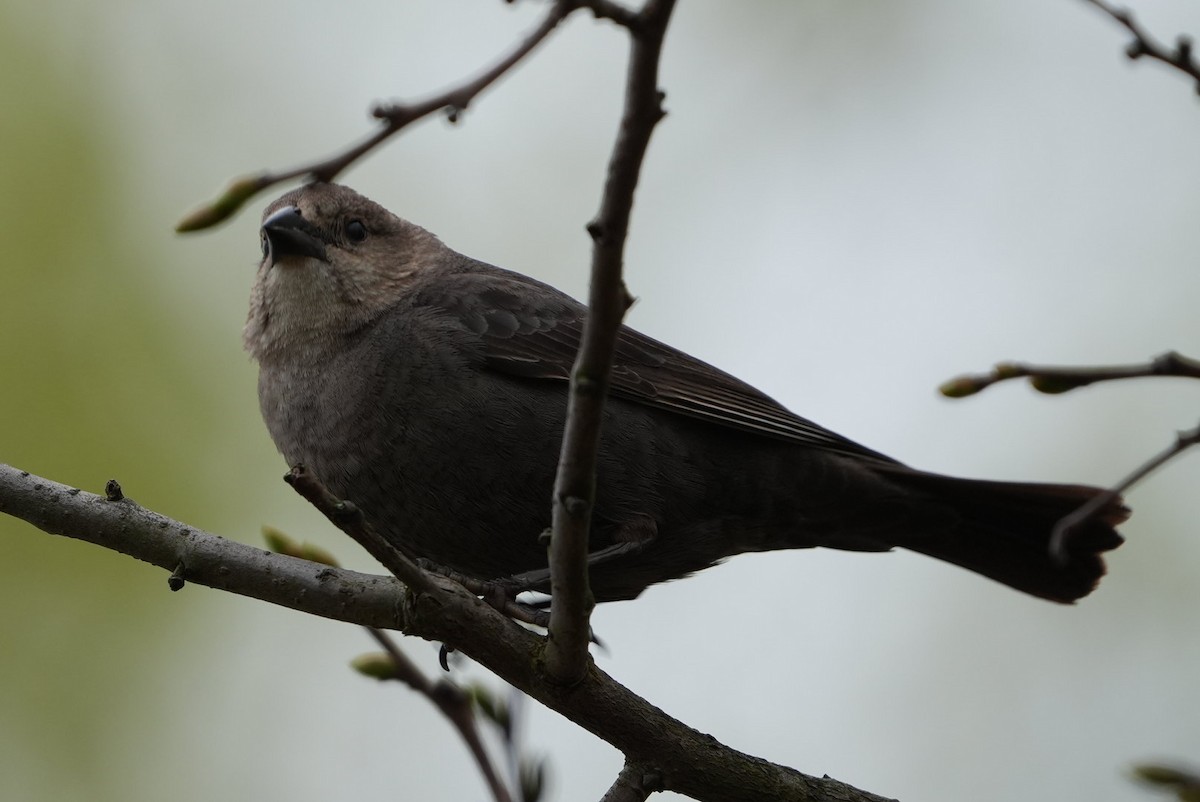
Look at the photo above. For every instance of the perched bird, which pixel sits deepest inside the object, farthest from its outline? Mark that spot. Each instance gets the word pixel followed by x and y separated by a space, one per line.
pixel 430 389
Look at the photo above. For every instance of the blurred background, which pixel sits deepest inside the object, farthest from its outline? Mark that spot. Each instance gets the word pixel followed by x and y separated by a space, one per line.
pixel 849 203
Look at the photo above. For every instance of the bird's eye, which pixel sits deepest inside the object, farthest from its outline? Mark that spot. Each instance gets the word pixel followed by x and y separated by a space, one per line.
pixel 356 231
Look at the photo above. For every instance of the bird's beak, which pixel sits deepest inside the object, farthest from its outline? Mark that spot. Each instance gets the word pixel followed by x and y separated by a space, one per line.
pixel 287 233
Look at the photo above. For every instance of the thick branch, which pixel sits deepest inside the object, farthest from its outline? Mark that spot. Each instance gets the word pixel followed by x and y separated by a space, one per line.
pixel 206 559
pixel 608 300
pixel 687 761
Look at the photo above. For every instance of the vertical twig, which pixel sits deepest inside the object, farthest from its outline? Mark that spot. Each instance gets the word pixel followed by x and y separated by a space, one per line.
pixel 574 487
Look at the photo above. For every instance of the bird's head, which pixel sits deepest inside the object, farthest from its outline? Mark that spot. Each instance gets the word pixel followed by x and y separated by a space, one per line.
pixel 332 261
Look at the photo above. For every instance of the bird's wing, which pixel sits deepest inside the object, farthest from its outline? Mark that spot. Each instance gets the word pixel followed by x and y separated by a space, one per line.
pixel 532 330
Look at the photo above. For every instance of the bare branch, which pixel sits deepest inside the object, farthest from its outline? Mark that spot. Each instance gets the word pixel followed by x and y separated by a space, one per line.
pixel 1064 528
pixel 453 704
pixel 394 117
pixel 690 762
pixel 608 300
pixel 606 9
pixel 635 783
pixel 206 559
pixel 394 664
pixel 1062 379
pixel 1144 44
pixel 1054 380
pixel 345 515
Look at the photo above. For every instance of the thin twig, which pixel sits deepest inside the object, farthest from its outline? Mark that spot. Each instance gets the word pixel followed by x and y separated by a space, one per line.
pixel 1065 526
pixel 1143 44
pixel 394 118
pixel 1052 380
pixel 349 518
pixel 452 702
pixel 1183 782
pixel 605 9
pixel 608 300
pixel 635 783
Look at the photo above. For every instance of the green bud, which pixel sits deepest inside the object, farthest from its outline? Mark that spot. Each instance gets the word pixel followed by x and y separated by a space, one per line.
pixel 961 387
pixel 377 665
pixel 224 207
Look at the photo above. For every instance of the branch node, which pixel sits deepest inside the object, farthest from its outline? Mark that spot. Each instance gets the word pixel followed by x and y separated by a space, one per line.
pixel 1183 49
pixel 176 580
pixel 112 490
pixel 627 298
pixel 345 510
pixel 586 385
pixel 576 507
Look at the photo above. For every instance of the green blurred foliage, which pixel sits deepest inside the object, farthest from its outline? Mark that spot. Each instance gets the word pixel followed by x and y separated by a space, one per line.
pixel 94 386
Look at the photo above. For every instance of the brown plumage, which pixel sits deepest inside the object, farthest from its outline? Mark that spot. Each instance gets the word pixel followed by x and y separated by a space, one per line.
pixel 430 389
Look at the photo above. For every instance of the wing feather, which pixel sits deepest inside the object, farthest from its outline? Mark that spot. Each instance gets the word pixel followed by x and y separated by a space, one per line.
pixel 536 334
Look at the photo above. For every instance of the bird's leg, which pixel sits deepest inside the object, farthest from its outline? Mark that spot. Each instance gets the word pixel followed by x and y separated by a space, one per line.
pixel 539 578
pixel 499 593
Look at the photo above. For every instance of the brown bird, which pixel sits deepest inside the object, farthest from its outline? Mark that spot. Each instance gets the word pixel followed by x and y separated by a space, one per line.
pixel 430 389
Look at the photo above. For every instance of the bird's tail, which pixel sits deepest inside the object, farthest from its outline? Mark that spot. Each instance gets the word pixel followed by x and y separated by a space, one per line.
pixel 1004 531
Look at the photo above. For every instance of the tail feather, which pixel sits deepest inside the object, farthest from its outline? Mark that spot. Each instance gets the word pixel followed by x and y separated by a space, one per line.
pixel 1004 533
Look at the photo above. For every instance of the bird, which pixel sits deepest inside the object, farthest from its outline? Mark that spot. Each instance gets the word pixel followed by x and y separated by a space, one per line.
pixel 430 389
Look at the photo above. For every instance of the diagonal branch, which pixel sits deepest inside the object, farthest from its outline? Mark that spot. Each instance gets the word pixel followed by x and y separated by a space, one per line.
pixel 1055 380
pixel 447 698
pixel 684 760
pixel 394 117
pixel 608 300
pixel 1144 44
pixel 1064 528
pixel 349 518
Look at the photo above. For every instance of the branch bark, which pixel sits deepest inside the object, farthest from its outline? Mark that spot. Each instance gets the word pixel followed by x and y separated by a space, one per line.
pixel 687 761
pixel 608 300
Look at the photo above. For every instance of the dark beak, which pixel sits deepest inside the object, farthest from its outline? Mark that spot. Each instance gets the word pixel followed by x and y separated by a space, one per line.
pixel 287 233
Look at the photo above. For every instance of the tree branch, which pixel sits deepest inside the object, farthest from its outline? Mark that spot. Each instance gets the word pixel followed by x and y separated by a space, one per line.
pixel 635 783
pixel 394 117
pixel 608 300
pixel 349 518
pixel 206 559
pixel 1053 380
pixel 1144 44
pixel 688 762
pixel 393 663
pixel 446 697
pixel 1064 528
